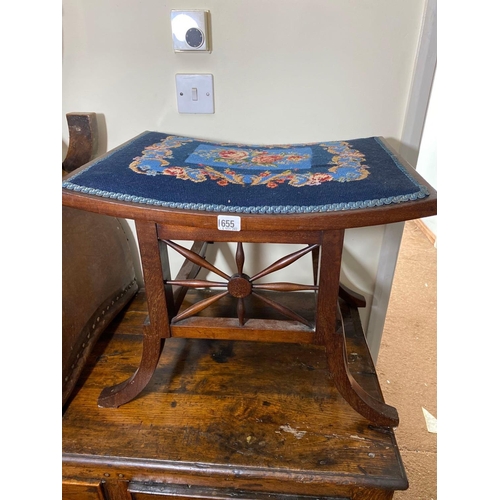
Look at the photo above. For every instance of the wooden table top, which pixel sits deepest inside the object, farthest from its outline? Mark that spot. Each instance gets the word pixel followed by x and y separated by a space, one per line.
pixel 250 415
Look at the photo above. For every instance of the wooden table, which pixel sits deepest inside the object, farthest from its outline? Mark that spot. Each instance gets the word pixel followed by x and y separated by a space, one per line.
pixel 302 412
pixel 200 430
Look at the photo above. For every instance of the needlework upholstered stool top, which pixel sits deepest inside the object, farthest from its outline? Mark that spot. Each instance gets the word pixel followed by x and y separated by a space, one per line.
pixel 181 188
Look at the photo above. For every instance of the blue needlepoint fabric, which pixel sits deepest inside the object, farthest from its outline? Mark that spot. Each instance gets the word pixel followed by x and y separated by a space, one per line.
pixel 181 172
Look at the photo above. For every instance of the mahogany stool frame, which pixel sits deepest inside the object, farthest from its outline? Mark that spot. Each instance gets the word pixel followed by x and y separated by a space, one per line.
pixel 322 235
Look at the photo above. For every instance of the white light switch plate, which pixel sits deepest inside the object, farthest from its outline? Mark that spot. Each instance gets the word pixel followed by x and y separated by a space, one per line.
pixel 195 93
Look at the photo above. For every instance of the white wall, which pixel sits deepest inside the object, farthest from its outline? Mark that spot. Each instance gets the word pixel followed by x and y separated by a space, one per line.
pixel 427 157
pixel 284 72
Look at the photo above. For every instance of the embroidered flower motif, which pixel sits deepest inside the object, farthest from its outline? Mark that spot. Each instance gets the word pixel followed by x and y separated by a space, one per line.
pixel 233 154
pixel 174 171
pixel 252 166
pixel 266 159
pixel 294 158
pixel 316 179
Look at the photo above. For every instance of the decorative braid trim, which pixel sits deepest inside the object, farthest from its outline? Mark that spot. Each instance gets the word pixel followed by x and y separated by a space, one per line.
pixel 278 209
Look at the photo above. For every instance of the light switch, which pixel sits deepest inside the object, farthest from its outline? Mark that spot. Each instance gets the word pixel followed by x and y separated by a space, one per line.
pixel 190 30
pixel 195 93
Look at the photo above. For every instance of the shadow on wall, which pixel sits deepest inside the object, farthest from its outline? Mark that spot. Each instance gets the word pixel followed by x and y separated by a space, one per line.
pixel 102 134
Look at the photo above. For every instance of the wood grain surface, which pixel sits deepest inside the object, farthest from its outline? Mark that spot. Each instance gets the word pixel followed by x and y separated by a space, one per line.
pixel 227 417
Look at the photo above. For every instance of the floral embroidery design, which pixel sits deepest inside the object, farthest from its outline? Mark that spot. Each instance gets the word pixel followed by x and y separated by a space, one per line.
pixel 253 166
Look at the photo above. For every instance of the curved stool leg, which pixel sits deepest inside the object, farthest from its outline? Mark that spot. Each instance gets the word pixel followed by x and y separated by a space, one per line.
pixel 374 410
pixel 334 340
pixel 155 332
pixel 117 395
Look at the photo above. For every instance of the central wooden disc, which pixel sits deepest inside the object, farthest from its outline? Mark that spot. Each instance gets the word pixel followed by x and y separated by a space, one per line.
pixel 239 286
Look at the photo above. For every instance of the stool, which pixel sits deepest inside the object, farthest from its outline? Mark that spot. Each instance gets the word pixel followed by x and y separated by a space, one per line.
pixel 287 435
pixel 186 189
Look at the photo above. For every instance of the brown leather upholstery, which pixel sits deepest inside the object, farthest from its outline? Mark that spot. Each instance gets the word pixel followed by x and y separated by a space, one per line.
pixel 98 280
pixel 97 267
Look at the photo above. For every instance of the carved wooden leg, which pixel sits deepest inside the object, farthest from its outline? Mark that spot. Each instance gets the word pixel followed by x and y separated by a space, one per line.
pixel 158 327
pixel 334 340
pixel 374 410
pixel 117 395
pixel 350 296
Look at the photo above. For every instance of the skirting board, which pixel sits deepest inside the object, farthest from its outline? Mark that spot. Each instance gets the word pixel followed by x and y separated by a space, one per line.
pixel 423 227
